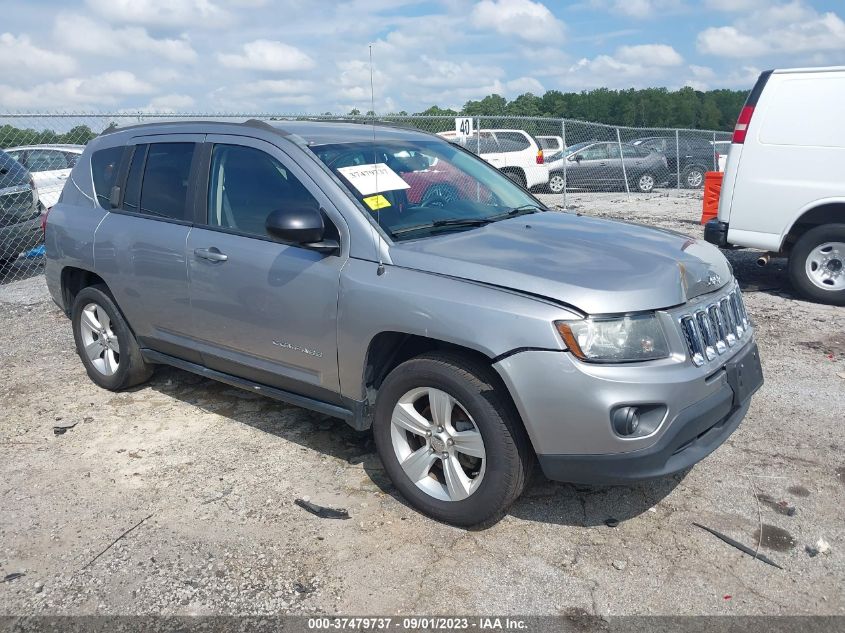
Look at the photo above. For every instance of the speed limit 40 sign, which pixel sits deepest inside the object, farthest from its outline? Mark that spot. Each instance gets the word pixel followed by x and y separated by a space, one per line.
pixel 463 125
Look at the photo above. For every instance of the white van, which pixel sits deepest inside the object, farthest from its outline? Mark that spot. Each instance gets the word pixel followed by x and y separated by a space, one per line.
pixel 784 185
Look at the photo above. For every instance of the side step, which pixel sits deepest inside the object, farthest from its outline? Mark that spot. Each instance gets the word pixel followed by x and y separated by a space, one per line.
pixel 353 418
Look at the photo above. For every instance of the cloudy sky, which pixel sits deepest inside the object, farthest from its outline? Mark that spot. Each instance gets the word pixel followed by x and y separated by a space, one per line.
pixel 292 56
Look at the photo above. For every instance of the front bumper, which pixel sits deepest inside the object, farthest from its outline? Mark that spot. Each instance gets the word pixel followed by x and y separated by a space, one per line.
pixel 716 233
pixel 566 407
pixel 695 433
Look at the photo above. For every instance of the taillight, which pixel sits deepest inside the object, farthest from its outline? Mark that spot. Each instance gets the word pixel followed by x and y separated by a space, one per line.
pixel 747 111
pixel 44 215
pixel 742 124
pixel 540 159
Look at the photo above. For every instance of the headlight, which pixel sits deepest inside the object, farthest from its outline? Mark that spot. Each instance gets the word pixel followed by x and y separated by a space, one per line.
pixel 622 339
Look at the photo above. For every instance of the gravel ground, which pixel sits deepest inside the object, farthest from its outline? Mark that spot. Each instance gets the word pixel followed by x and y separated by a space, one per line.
pixel 207 475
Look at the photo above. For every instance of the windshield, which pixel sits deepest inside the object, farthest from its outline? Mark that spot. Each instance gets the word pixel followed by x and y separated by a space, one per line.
pixel 420 188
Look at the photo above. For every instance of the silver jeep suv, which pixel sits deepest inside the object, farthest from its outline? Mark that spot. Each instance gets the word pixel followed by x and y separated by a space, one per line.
pixel 394 280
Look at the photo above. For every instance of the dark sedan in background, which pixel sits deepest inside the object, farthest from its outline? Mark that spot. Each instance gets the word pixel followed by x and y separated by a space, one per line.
pixel 20 223
pixel 688 156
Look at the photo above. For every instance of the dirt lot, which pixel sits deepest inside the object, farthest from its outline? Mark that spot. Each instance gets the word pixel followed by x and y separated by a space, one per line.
pixel 214 472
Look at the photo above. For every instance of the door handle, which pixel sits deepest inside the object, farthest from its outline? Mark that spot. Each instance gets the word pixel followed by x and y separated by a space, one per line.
pixel 603 164
pixel 212 254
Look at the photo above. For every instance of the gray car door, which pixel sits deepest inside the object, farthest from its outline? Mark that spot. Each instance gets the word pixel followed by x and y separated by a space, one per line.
pixel 139 248
pixel 590 169
pixel 263 310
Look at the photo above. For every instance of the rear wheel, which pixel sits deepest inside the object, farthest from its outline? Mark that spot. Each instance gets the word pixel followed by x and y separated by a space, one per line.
pixel 450 441
pixel 645 183
pixel 105 343
pixel 817 264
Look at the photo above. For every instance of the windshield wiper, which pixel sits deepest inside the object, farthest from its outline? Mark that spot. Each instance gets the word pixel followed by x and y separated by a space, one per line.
pixel 525 209
pixel 440 223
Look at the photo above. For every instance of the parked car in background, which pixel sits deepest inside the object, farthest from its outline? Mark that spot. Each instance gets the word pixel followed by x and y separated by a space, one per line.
pixel 49 165
pixel 515 153
pixel 783 190
pixel 722 148
pixel 697 156
pixel 550 144
pixel 597 166
pixel 20 223
pixel 286 258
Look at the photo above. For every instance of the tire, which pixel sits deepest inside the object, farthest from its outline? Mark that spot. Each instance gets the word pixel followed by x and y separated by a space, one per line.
pixel 478 408
pixel 645 182
pixel 516 176
pixel 817 264
pixel 116 362
pixel 693 177
pixel 556 182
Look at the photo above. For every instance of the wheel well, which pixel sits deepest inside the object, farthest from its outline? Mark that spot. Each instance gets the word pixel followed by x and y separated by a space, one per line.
pixel 74 280
pixel 822 214
pixel 514 170
pixel 390 349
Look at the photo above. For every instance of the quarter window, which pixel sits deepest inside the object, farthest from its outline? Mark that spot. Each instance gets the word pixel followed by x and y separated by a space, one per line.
pixel 246 185
pixel 167 170
pixel 104 166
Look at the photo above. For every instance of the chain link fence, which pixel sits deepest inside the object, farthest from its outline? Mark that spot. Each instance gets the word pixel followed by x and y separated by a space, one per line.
pixel 558 158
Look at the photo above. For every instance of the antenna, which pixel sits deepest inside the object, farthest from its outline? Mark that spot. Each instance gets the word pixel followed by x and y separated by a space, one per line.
pixel 380 269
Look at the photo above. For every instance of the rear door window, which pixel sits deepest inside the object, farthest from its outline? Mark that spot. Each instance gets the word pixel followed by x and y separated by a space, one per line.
pixel 104 167
pixel 167 170
pixel 513 141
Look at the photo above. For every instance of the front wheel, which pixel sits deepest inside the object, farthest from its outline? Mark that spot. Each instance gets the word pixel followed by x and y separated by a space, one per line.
pixel 693 178
pixel 557 183
pixel 450 440
pixel 816 264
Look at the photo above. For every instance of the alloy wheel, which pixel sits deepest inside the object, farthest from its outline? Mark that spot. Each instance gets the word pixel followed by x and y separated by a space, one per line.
pixel 437 444
pixel 99 340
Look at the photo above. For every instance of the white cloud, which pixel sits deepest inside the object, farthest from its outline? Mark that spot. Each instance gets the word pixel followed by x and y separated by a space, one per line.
pixel 291 87
pixel 640 9
pixel 19 57
pixel 792 28
pixel 520 18
pixel 734 5
pixel 162 13
pixel 172 103
pixel 82 34
pixel 630 66
pixel 653 54
pixel 92 92
pixel 268 55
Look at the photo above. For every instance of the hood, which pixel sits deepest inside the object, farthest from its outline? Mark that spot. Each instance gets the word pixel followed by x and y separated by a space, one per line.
pixel 597 266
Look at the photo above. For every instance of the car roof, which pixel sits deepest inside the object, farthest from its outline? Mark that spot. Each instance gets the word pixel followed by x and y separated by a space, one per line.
pixel 73 147
pixel 314 132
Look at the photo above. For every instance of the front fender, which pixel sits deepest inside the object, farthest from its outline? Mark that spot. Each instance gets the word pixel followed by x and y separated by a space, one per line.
pixel 489 320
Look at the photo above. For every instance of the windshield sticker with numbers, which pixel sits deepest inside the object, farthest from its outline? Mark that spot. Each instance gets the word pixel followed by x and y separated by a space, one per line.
pixel 374 178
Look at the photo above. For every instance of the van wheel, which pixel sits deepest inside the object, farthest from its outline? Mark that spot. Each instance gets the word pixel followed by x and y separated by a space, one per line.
pixel 693 178
pixel 450 440
pixel 817 264
pixel 105 343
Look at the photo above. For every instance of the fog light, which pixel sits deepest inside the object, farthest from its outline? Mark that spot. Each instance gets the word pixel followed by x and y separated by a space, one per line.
pixel 626 420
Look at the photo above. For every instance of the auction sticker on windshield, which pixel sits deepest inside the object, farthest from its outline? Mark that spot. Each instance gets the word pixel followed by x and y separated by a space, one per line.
pixel 373 178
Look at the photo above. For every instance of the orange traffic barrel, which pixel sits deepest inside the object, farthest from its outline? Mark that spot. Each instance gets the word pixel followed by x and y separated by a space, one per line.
pixel 712 188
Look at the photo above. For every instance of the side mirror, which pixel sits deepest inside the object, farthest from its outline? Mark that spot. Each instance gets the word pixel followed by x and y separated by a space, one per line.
pixel 579 157
pixel 301 225
pixel 114 197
